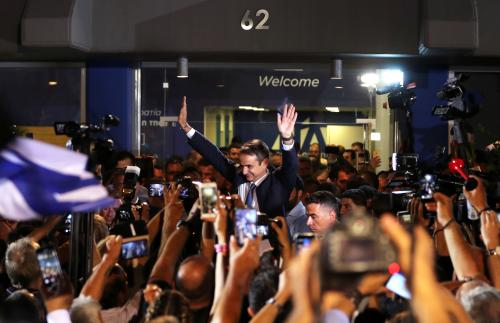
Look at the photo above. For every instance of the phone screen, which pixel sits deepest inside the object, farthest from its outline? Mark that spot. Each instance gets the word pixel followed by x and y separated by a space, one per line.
pixel 134 248
pixel 245 225
pixel 397 285
pixel 303 241
pixel 208 201
pixel 50 266
pixel 156 189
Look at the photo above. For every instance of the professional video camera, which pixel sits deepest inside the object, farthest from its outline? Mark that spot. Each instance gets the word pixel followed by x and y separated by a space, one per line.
pixel 89 139
pixel 410 181
pixel 461 105
pixel 124 212
pixel 400 97
pixel 353 247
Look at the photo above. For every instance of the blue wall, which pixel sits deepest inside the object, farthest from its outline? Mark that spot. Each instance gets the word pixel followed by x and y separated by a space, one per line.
pixel 110 90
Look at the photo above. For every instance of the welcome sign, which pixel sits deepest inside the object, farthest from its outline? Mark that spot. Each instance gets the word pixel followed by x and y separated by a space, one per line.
pixel 282 81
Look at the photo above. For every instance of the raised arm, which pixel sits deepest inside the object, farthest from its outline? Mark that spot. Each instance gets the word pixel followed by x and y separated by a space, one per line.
pixel 164 268
pixel 94 286
pixel 286 125
pixel 202 145
pixel 460 252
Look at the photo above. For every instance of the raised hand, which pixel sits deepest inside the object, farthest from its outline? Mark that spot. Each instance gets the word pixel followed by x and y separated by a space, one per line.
pixel 286 121
pixel 490 229
pixel 182 119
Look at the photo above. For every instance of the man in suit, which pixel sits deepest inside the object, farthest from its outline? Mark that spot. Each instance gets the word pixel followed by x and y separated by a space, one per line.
pixel 259 186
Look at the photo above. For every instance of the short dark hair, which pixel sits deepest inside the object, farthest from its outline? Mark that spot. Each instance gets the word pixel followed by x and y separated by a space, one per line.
pixel 357 196
pixel 174 159
pixel 235 145
pixel 329 187
pixel 345 167
pixel 204 163
pixel 264 286
pixel 359 144
pixel 256 147
pixel 122 155
pixel 324 198
pixel 351 152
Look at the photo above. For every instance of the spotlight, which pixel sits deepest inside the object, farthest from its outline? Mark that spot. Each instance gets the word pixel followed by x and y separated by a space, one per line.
pixel 369 80
pixel 336 69
pixel 182 67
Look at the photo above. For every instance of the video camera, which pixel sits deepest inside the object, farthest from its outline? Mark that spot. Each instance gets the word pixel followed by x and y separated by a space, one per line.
pixel 400 97
pixel 461 105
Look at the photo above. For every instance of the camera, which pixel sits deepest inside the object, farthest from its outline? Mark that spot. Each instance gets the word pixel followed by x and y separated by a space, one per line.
pixel 124 212
pixel 460 105
pixel 400 97
pixel 188 191
pixel 353 247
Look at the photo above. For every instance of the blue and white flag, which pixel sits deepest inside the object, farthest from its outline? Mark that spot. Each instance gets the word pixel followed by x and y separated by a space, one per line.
pixel 38 179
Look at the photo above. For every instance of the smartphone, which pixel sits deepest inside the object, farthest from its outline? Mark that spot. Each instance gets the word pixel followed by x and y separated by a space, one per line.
pixel 49 266
pixel 134 247
pixel 156 189
pixel 245 225
pixel 263 224
pixel 208 194
pixel 303 240
pixel 397 285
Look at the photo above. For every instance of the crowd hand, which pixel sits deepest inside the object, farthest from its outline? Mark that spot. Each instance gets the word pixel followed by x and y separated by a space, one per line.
pixel 221 221
pixel 182 119
pixel 299 270
pixel 375 161
pixel 60 297
pixel 416 209
pixel 490 228
pixel 244 260
pixel 113 249
pixel 281 232
pixel 444 208
pixel 173 205
pixel 286 121
pixel 371 283
pixel 400 238
pixel 477 197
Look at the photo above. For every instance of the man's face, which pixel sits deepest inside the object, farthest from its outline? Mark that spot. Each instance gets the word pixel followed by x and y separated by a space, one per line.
pixel 314 151
pixel 319 217
pixel 173 169
pixel 252 169
pixel 347 156
pixel 304 169
pixel 342 179
pixel 207 173
pixel 234 154
pixel 346 206
pixel 124 163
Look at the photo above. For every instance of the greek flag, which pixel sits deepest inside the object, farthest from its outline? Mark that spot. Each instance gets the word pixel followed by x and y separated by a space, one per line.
pixel 38 179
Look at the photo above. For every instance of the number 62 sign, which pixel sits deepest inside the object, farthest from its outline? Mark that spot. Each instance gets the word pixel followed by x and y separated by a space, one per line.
pixel 247 21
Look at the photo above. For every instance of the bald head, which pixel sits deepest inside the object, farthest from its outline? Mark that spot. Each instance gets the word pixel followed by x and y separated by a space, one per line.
pixel 195 279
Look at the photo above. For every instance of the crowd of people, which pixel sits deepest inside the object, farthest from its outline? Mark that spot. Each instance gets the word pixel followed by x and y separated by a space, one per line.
pixel 197 271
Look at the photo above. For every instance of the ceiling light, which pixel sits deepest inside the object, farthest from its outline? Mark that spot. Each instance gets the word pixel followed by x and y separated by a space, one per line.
pixel 246 107
pixel 336 69
pixel 288 69
pixel 339 87
pixel 165 85
pixel 219 85
pixel 182 67
pixel 52 83
pixel 332 109
pixel 369 79
pixel 390 77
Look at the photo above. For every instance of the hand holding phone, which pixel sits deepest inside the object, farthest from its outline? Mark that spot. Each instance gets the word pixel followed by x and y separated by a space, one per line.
pixel 303 240
pixel 50 268
pixel 245 225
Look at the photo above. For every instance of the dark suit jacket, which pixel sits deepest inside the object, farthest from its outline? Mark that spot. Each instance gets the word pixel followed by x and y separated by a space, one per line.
pixel 272 193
